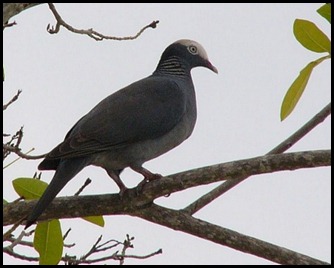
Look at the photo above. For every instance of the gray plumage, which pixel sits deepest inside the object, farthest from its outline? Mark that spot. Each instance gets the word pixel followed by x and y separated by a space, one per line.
pixel 131 126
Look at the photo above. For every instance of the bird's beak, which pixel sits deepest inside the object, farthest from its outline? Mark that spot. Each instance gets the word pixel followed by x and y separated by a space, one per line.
pixel 209 65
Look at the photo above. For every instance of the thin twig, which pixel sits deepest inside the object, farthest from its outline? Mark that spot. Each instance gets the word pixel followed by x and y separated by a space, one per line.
pixel 71 260
pixel 19 256
pixel 109 241
pixel 14 141
pixel 97 247
pixel 16 241
pixel 92 250
pixel 126 244
pixel 64 237
pixel 87 182
pixel 8 24
pixel 283 146
pixel 103 246
pixel 17 151
pixel 22 242
pixel 117 257
pixel 90 32
pixel 5 106
pixel 66 234
pixel 7 234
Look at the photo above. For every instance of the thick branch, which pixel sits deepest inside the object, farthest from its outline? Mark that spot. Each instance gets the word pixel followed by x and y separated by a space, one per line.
pixel 71 207
pixel 183 222
pixel 11 9
pixel 282 147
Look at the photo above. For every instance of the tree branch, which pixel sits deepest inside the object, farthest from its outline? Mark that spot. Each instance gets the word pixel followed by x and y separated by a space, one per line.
pixel 177 220
pixel 90 32
pixel 117 257
pixel 11 9
pixel 5 106
pixel 300 133
pixel 17 151
pixel 142 205
pixel 283 146
pixel 8 24
pixel 71 207
pixel 19 256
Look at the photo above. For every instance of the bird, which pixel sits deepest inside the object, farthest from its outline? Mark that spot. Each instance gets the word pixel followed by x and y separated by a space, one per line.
pixel 131 126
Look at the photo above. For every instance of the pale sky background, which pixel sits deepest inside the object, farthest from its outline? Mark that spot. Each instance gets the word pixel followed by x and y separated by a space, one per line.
pixel 63 76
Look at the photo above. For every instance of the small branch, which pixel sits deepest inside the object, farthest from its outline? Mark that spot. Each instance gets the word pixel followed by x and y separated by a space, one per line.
pixel 117 257
pixel 17 151
pixel 17 241
pixel 5 106
pixel 87 182
pixel 72 260
pixel 8 234
pixel 66 233
pixel 14 142
pixel 97 247
pixel 159 251
pixel 126 244
pixel 19 256
pixel 8 24
pixel 90 32
pixel 17 159
pixel 92 250
pixel 22 243
pixel 104 247
pixel 282 147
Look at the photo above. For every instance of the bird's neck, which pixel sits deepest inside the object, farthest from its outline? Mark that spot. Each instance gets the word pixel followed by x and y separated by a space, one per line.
pixel 172 66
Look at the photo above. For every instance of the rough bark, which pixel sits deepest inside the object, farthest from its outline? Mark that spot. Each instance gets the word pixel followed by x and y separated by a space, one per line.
pixel 71 207
pixel 9 10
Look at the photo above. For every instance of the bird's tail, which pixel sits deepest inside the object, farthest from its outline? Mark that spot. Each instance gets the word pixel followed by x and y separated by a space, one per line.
pixel 66 170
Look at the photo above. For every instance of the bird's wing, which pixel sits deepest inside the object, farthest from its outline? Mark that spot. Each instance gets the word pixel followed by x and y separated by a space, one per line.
pixel 144 110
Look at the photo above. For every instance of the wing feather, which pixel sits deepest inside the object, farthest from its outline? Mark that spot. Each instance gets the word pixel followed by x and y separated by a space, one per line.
pixel 144 110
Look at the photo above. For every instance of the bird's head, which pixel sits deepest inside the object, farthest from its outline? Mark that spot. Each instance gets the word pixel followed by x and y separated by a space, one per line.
pixel 190 52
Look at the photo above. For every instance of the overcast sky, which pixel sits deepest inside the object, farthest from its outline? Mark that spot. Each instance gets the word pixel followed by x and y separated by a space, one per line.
pixel 64 75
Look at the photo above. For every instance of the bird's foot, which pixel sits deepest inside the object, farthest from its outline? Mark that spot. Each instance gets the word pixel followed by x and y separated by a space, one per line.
pixel 122 192
pixel 147 179
pixel 148 176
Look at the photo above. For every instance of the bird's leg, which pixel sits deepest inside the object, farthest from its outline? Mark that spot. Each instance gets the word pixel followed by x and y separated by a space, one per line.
pixel 148 176
pixel 115 176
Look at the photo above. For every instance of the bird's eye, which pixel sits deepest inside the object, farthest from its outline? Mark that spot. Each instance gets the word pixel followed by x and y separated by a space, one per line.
pixel 192 50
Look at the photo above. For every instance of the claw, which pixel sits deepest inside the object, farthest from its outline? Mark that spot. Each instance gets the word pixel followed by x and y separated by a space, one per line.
pixel 122 192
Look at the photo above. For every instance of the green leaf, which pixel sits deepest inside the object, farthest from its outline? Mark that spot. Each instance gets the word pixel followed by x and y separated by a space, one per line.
pixel 29 188
pixel 325 11
pixel 98 220
pixel 5 202
pixel 297 88
pixel 48 242
pixel 310 36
